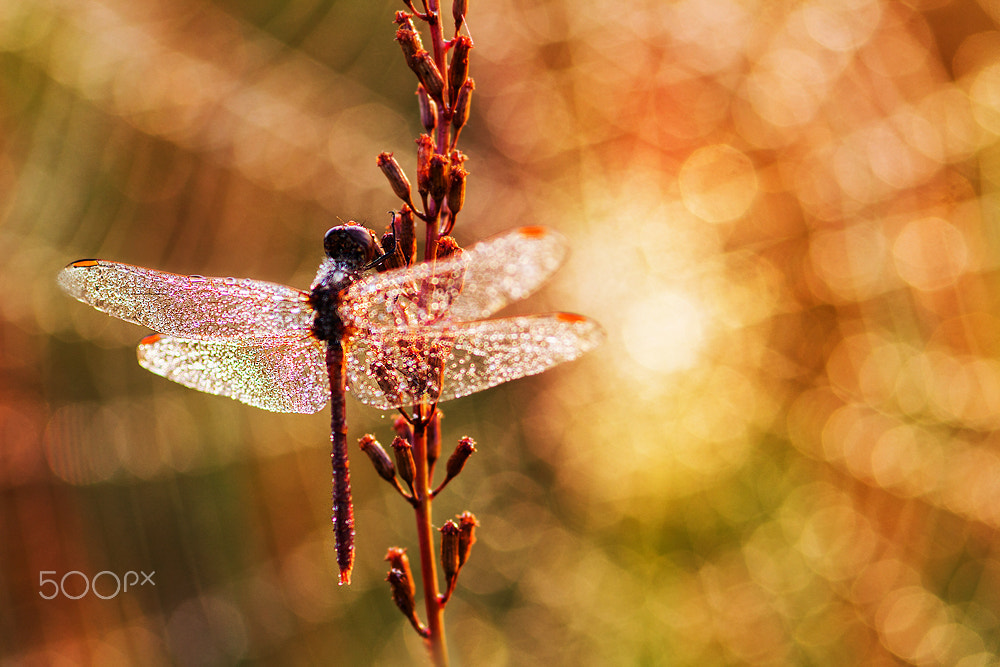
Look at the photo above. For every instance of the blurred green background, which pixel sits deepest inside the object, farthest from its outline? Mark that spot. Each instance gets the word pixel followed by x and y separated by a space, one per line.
pixel 785 215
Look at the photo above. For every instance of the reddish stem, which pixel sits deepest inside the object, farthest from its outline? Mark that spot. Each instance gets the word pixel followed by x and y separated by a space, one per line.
pixel 442 137
pixel 425 536
pixel 440 47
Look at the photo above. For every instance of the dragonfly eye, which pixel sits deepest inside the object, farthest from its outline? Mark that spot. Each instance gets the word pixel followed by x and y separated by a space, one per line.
pixel 351 244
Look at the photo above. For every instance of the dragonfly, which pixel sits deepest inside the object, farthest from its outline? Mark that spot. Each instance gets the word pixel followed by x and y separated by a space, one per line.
pixel 414 335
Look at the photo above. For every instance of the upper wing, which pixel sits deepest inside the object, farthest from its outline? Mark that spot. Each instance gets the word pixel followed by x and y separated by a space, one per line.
pixel 439 364
pixel 188 306
pixel 281 375
pixel 469 286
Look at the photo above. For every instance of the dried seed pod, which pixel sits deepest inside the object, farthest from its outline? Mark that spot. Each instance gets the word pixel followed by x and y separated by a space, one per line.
pixel 434 357
pixel 447 246
pixel 406 238
pixel 428 74
pixel 456 189
pixel 428 109
pixel 409 42
pixel 394 174
pixel 425 150
pixel 450 537
pixel 403 428
pixel 467 536
pixel 459 9
pixel 401 592
pixel 384 378
pixel 466 447
pixel 458 72
pixel 404 599
pixel 404 20
pixel 404 460
pixel 398 560
pixel 378 456
pixel 463 101
pixel 437 179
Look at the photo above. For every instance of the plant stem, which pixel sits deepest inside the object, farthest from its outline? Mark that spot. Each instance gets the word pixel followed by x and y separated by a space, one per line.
pixel 428 570
pixel 436 29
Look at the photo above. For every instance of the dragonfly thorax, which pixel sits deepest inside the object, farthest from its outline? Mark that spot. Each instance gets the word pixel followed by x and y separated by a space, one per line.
pixel 349 250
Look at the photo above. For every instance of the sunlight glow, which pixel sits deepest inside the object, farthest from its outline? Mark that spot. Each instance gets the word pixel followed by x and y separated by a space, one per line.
pixel 665 332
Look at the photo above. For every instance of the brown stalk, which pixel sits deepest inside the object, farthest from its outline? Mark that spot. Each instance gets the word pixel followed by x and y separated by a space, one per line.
pixel 425 537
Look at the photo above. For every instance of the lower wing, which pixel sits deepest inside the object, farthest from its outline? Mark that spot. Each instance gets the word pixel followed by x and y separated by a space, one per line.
pixel 281 374
pixel 389 368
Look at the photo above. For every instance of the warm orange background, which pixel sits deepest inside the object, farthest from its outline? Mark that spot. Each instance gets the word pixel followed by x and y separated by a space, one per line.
pixel 785 215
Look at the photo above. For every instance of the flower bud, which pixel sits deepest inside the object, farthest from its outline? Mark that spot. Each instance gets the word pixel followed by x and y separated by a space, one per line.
pixel 404 599
pixel 437 178
pixel 406 237
pixel 459 9
pixel 404 20
pixel 379 458
pixel 466 447
pixel 435 357
pixel 428 74
pixel 395 175
pixel 467 536
pixel 385 381
pixel 456 189
pixel 450 536
pixel 398 560
pixel 409 42
pixel 403 428
pixel 425 149
pixel 404 460
pixel 447 246
pixel 459 70
pixel 428 109
pixel 460 115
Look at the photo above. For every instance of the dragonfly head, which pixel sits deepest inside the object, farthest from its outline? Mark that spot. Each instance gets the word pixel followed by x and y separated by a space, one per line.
pixel 351 246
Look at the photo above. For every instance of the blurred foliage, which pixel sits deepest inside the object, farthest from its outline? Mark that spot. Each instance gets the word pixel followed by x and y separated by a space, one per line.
pixel 784 213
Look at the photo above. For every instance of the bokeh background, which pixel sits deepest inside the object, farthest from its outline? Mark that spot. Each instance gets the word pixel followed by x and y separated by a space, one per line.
pixel 784 213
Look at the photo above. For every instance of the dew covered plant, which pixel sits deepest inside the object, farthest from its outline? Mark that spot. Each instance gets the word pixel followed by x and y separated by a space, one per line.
pixel 444 95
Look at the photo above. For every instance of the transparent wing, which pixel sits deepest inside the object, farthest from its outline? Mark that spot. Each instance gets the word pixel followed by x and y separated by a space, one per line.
pixel 281 375
pixel 188 306
pixel 470 286
pixel 398 368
